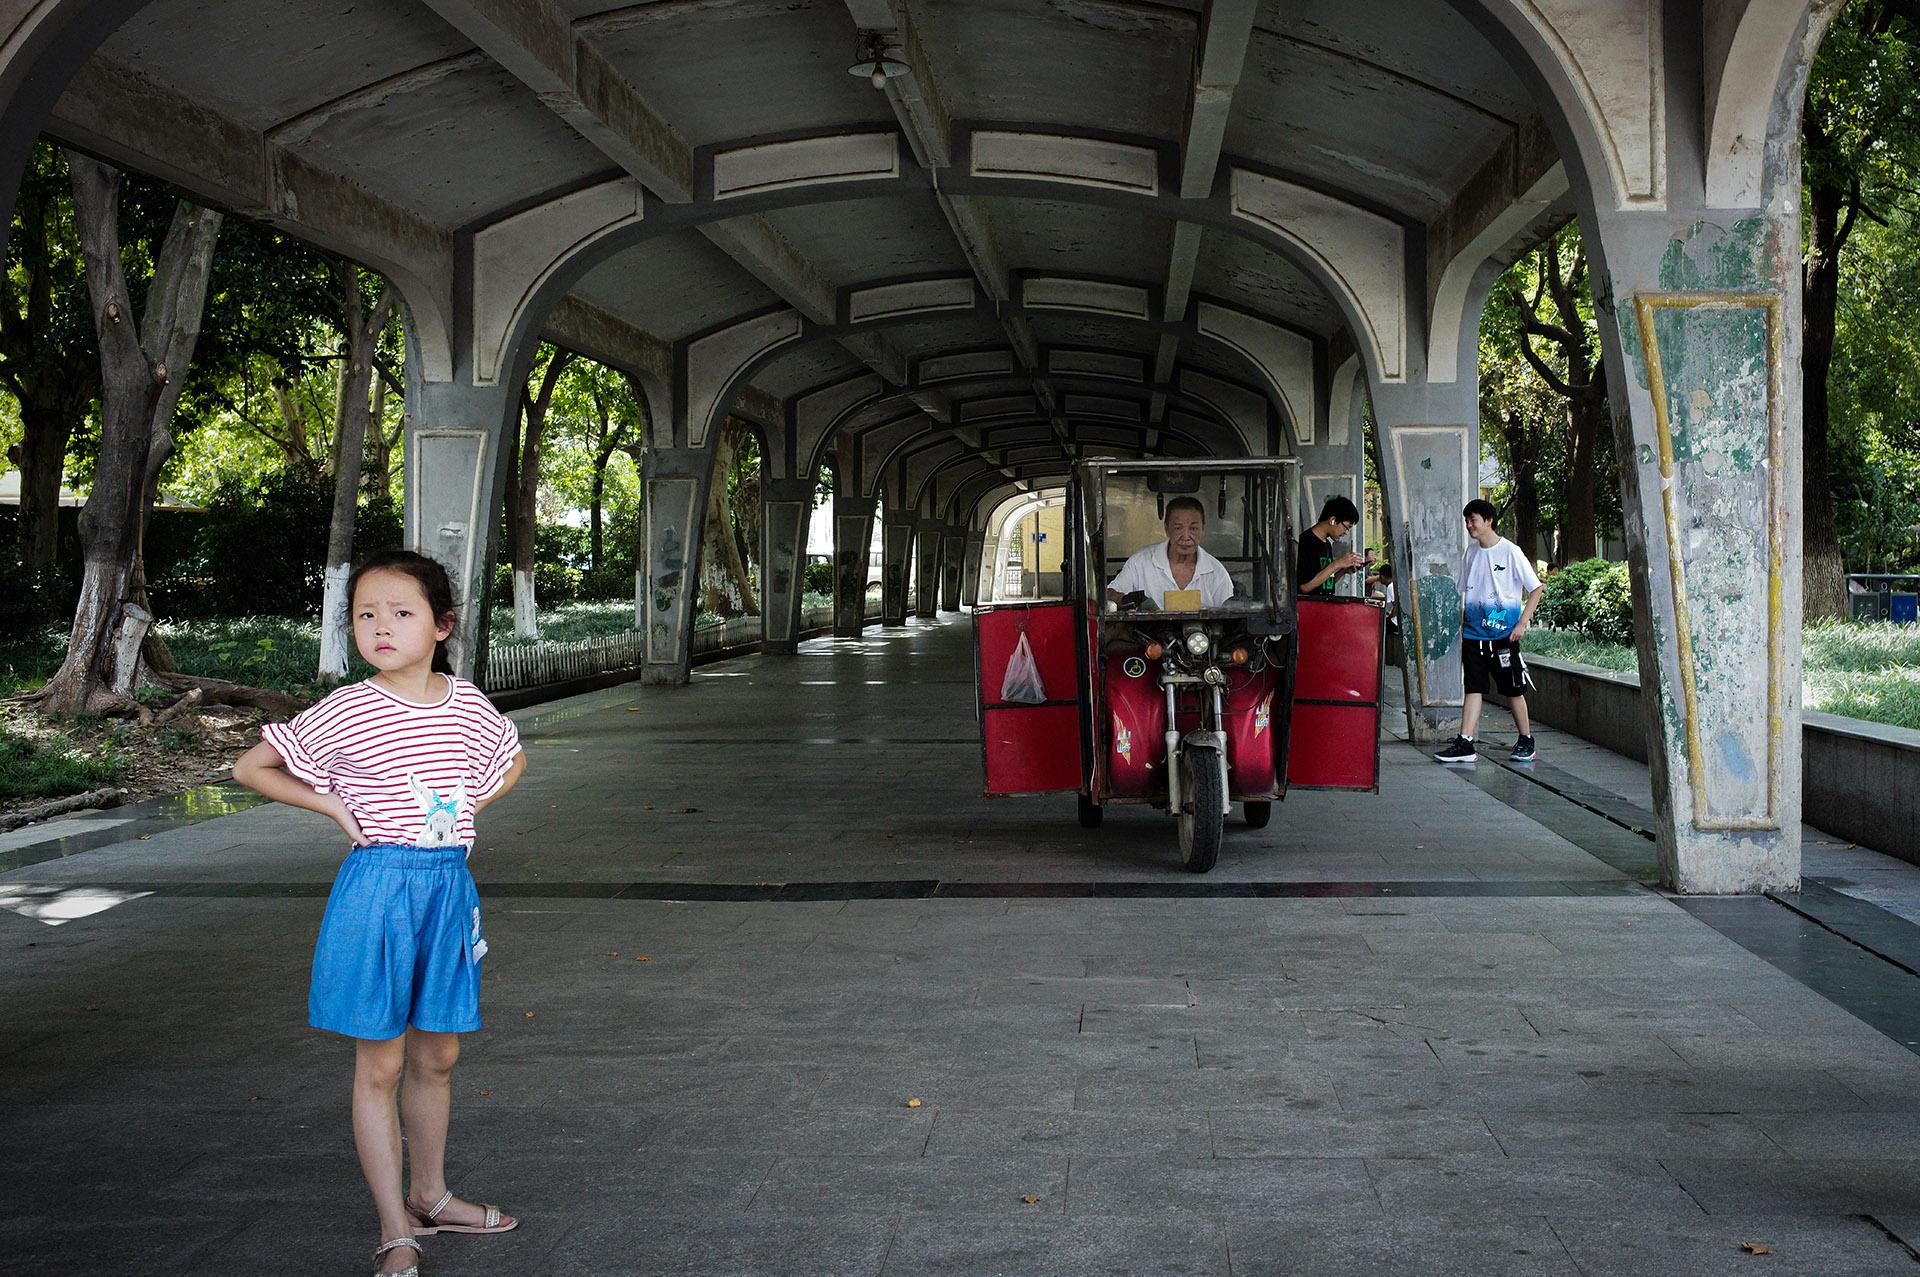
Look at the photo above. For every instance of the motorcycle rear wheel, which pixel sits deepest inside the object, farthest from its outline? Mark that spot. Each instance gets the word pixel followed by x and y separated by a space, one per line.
pixel 1203 817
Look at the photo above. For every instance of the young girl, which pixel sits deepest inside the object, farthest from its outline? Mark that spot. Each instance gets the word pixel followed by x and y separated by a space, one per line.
pixel 402 763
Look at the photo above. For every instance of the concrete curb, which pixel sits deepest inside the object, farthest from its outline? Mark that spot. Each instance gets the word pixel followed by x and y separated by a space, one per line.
pixel 1860 780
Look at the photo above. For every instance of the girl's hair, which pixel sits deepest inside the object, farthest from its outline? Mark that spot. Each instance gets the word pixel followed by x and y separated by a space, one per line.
pixel 433 581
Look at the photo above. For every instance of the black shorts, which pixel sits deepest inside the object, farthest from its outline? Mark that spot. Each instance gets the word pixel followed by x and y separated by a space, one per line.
pixel 1493 663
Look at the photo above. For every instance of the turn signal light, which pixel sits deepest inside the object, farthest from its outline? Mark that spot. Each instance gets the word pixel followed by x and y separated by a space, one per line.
pixel 1239 656
pixel 1155 651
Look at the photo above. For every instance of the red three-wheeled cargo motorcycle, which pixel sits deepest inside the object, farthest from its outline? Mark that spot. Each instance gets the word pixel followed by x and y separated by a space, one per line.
pixel 1188 699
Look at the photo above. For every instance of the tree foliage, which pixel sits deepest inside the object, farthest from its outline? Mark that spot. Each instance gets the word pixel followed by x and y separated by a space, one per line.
pixel 1861 155
pixel 1543 402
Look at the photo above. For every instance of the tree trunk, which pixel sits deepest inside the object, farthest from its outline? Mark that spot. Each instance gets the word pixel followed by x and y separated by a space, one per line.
pixel 596 533
pixel 96 673
pixel 1823 569
pixel 1586 416
pixel 526 491
pixel 1526 497
pixel 722 566
pixel 171 325
pixel 46 431
pixel 377 478
pixel 358 334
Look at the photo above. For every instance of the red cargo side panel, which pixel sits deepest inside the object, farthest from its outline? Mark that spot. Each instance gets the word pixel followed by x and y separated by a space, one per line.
pixel 1335 740
pixel 1050 632
pixel 1339 651
pixel 1030 749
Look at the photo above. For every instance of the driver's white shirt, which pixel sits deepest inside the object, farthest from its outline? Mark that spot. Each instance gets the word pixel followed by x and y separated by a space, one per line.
pixel 1149 570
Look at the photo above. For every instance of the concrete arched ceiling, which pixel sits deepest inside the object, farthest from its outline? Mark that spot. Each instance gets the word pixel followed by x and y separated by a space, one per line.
pixel 1284 159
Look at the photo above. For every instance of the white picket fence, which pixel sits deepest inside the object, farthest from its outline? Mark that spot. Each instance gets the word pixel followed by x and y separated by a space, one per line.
pixel 514 666
pixel 533 664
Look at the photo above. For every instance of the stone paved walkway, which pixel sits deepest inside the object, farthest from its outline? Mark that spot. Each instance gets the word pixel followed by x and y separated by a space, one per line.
pixel 1429 1032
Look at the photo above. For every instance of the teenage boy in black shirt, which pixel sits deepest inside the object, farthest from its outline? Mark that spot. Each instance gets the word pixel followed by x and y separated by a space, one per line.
pixel 1316 567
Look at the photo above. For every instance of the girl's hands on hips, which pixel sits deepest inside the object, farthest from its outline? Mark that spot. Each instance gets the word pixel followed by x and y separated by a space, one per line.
pixel 344 818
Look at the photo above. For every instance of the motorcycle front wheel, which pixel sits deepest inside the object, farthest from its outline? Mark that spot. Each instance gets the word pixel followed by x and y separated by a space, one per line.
pixel 1090 813
pixel 1203 817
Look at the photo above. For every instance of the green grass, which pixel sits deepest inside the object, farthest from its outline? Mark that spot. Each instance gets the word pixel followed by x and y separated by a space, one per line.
pixel 260 651
pixel 52 767
pixel 28 660
pixel 1865 670
pixel 1567 645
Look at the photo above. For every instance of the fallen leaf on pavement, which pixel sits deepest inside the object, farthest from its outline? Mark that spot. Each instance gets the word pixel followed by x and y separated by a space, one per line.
pixel 613 953
pixel 913 1104
pixel 1756 1248
pixel 486 1092
pixel 645 957
pixel 1029 1199
pixel 528 1014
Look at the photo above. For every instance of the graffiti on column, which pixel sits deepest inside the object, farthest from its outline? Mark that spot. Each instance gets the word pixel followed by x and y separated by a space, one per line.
pixel 1434 482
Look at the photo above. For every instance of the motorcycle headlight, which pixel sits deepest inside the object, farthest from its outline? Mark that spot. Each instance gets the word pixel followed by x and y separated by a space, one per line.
pixel 1198 643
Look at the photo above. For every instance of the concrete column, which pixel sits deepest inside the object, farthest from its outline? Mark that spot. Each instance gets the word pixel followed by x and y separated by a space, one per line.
pixel 785 505
pixel 1430 460
pixel 927 536
pixel 852 544
pixel 1699 313
pixel 896 543
pixel 676 494
pixel 971 564
pixel 456 486
pixel 953 557
pixel 1330 470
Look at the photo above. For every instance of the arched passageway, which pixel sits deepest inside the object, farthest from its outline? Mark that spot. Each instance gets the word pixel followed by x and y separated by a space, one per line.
pixel 1142 229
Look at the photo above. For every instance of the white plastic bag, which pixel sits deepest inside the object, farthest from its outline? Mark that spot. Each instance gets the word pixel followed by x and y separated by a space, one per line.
pixel 1022 683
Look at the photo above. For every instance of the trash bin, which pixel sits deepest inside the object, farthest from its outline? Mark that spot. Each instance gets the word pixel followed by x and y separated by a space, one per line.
pixel 1866 607
pixel 1902 609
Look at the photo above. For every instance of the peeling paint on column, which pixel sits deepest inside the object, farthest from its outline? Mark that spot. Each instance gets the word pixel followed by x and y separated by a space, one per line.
pixel 1711 363
pixel 1714 258
pixel 1433 476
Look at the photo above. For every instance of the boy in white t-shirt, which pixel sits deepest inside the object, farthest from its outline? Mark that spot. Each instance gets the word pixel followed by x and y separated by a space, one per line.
pixel 1498 591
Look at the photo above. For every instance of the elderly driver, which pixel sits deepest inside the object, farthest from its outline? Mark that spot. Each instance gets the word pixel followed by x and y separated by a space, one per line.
pixel 1177 563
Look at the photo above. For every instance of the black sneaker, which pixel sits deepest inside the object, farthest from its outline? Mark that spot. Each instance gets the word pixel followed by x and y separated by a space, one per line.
pixel 1461 751
pixel 1522 750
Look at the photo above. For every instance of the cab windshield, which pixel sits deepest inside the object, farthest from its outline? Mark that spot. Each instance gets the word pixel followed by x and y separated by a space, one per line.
pixel 1143 522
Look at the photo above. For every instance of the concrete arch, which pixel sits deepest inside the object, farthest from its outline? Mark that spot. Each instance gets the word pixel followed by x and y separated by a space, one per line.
pixel 1758 59
pixel 1260 210
pixel 1598 74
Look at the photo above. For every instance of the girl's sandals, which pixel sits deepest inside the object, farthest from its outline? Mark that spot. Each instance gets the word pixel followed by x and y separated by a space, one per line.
pixel 410 1243
pixel 495 1222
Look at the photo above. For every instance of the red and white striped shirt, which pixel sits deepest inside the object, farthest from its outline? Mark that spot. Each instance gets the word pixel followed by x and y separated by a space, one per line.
pixel 409 773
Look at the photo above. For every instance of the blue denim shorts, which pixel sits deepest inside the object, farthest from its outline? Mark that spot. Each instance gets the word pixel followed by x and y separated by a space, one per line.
pixel 400 945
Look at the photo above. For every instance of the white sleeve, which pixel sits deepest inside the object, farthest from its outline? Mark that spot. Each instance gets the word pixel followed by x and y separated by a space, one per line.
pixel 1524 570
pixel 1128 579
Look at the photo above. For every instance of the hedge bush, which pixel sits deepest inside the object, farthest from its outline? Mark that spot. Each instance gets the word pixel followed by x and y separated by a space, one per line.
pixel 1564 605
pixel 1592 597
pixel 1609 613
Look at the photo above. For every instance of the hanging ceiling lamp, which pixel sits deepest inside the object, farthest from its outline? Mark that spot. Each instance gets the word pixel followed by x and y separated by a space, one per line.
pixel 876 61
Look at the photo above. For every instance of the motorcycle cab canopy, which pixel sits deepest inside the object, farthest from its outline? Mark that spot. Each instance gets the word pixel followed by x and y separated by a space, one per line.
pixel 1058 737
